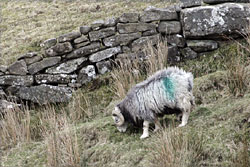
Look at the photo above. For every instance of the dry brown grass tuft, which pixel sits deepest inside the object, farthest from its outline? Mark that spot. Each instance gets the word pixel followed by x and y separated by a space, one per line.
pixel 175 148
pixel 14 127
pixel 241 158
pixel 237 74
pixel 80 107
pixel 61 140
pixel 130 72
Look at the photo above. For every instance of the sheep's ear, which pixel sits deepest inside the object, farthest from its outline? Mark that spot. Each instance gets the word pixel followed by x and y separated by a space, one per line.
pixel 117 116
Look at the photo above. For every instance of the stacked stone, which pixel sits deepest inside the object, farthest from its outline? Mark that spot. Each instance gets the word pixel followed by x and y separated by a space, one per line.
pixel 75 58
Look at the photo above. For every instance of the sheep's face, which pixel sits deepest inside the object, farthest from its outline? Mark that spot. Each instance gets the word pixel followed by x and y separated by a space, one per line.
pixel 119 120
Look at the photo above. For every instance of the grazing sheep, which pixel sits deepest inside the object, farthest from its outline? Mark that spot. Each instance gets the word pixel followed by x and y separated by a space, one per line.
pixel 168 91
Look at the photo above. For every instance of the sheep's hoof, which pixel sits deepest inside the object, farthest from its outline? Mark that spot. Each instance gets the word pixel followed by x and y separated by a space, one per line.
pixel 156 130
pixel 144 136
pixel 181 125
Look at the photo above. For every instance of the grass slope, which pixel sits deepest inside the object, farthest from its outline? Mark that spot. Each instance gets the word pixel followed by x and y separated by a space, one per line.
pixel 221 123
pixel 25 24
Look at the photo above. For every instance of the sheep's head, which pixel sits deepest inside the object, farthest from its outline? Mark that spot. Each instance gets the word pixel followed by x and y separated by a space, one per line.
pixel 119 120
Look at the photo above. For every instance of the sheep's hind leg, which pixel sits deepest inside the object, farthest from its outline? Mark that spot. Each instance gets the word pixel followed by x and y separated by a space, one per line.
pixel 157 125
pixel 145 130
pixel 185 117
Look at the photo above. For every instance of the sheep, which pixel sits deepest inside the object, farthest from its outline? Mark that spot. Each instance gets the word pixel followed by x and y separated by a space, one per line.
pixel 168 91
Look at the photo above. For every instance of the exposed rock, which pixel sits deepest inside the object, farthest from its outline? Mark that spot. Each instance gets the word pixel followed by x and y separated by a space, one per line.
pixel 2 93
pixel 81 39
pixel 55 79
pixel 130 56
pixel 85 29
pixel 173 54
pixel 69 37
pixel 134 27
pixel 49 43
pixel 155 14
pixel 1 73
pixel 169 27
pixel 222 1
pixel 83 51
pixel 121 39
pixel 96 25
pixel 144 41
pixel 110 22
pixel 104 54
pixel 31 58
pixel 28 55
pixel 149 32
pixel 44 94
pixel 18 68
pixel 176 39
pixel 5 105
pixel 12 90
pixel 45 63
pixel 34 59
pixel 190 3
pixel 77 46
pixel 75 85
pixel 126 49
pixel 66 67
pixel 215 21
pixel 102 33
pixel 202 45
pixel 86 74
pixel 188 53
pixel 3 68
pixel 129 18
pixel 103 67
pixel 9 80
pixel 59 49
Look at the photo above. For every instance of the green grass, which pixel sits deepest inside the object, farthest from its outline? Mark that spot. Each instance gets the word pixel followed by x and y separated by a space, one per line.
pixel 219 121
pixel 25 24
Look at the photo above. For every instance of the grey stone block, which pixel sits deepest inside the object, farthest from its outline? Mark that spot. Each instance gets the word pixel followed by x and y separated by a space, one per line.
pixel 104 54
pixel 169 27
pixel 45 63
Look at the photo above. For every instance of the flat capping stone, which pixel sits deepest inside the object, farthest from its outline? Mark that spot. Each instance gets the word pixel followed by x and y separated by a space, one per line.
pixel 28 55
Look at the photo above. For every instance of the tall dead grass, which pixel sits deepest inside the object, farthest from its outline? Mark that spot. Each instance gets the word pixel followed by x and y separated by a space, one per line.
pixel 52 123
pixel 14 127
pixel 237 71
pixel 242 156
pixel 80 107
pixel 61 140
pixel 175 148
pixel 131 71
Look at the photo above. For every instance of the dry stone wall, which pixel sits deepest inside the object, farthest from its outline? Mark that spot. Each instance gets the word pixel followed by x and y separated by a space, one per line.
pixel 75 58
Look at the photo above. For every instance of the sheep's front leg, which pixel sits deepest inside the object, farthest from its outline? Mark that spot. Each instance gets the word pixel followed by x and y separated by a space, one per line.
pixel 185 116
pixel 145 130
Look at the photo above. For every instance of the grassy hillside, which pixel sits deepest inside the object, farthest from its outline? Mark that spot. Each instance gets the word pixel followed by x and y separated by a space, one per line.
pixel 82 133
pixel 217 133
pixel 25 24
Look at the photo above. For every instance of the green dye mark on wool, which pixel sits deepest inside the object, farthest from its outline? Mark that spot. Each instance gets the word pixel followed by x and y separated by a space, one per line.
pixel 169 88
